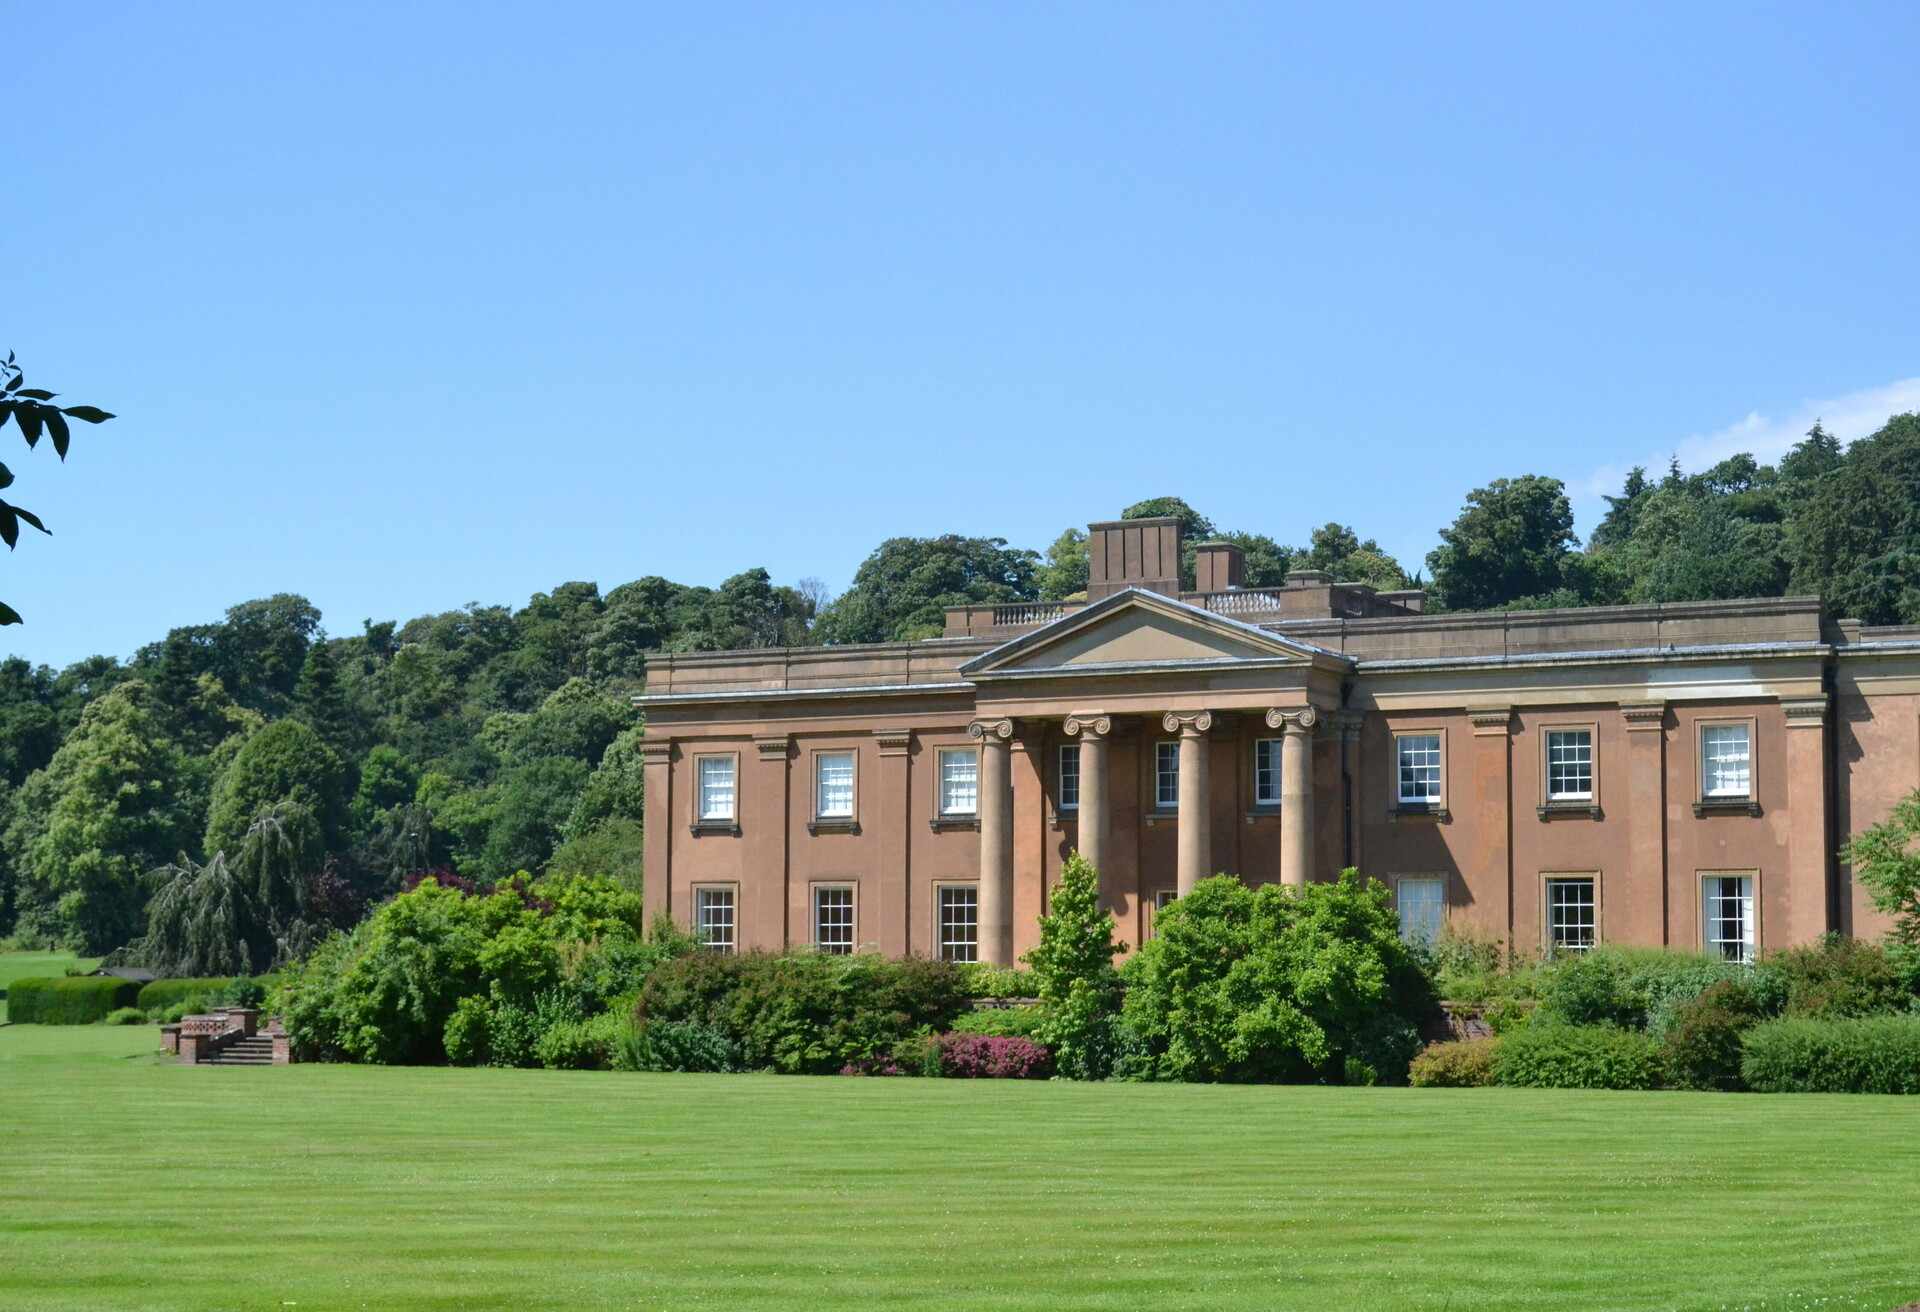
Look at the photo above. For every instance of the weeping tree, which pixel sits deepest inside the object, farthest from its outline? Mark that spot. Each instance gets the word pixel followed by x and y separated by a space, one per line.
pixel 236 916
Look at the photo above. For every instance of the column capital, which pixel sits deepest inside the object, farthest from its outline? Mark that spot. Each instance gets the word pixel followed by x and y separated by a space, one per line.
pixel 991 732
pixel 1089 724
pixel 1805 712
pixel 1188 726
pixel 894 742
pixel 656 751
pixel 775 748
pixel 1644 716
pixel 1491 722
pixel 1349 724
pixel 1292 720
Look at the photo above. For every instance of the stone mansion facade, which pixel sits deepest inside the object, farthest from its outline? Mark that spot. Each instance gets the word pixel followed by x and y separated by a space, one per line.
pixel 1680 774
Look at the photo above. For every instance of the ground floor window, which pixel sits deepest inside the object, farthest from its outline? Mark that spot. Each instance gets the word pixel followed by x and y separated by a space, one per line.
pixel 833 919
pixel 1726 916
pixel 1423 907
pixel 713 918
pixel 1572 925
pixel 959 909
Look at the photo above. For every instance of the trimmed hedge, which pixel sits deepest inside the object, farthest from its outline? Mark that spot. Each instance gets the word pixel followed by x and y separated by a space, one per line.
pixel 1553 1056
pixel 73 1000
pixel 1458 1064
pixel 164 993
pixel 1871 1054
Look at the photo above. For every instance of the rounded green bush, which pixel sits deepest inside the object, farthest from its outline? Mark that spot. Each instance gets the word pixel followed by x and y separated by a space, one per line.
pixel 1870 1054
pixel 1701 1049
pixel 125 1016
pixel 1459 1064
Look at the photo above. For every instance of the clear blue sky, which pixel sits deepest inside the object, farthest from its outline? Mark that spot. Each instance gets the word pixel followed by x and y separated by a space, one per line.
pixel 406 306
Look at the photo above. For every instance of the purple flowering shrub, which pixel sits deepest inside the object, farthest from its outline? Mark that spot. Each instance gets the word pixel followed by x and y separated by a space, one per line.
pixel 993 1057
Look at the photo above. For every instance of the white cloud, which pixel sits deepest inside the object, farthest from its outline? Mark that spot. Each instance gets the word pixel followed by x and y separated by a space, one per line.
pixel 1847 417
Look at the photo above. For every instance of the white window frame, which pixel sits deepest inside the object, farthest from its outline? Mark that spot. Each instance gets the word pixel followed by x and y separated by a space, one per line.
pixel 1162 749
pixel 1710 793
pixel 1066 767
pixel 944 755
pixel 820 759
pixel 1568 758
pixel 703 812
pixel 1437 884
pixel 1401 739
pixel 1156 904
pixel 1713 897
pixel 948 946
pixel 707 898
pixel 1266 791
pixel 1549 940
pixel 833 944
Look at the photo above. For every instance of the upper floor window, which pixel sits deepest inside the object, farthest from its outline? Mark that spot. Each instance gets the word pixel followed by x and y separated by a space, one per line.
pixel 1068 796
pixel 1419 760
pixel 1569 765
pixel 1573 923
pixel 833 919
pixel 1422 902
pixel 833 785
pixel 1726 917
pixel 959 910
pixel 1166 776
pixel 1726 760
pixel 959 781
pixel 713 918
pixel 716 788
pixel 1266 772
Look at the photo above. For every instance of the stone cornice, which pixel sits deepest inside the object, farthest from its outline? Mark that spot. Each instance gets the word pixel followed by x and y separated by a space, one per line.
pixel 1491 723
pixel 1805 712
pixel 1642 717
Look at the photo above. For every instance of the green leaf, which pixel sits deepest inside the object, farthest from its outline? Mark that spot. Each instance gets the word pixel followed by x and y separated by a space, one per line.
pixel 8 615
pixel 9 526
pixel 57 430
pixel 6 476
pixel 18 379
pixel 31 518
pixel 38 393
pixel 91 413
pixel 27 416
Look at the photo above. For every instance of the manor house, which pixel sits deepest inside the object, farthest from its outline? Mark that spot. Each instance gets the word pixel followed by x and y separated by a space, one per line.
pixel 1680 774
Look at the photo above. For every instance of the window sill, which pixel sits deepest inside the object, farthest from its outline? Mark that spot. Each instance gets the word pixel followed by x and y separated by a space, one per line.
pixel 1161 818
pixel 941 823
pixel 839 824
pixel 1263 813
pixel 1421 811
pixel 1568 807
pixel 699 827
pixel 1061 819
pixel 1725 806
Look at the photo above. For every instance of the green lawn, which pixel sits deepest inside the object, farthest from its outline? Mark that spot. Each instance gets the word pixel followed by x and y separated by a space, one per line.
pixel 35 965
pixel 134 1183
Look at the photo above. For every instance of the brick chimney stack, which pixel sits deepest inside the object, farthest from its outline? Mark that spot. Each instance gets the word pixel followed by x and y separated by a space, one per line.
pixel 1133 553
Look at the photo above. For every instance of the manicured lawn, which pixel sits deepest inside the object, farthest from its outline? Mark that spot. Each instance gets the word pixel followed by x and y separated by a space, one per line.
pixel 133 1183
pixel 35 965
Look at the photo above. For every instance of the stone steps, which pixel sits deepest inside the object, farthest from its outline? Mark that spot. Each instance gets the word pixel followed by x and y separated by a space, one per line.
pixel 255 1051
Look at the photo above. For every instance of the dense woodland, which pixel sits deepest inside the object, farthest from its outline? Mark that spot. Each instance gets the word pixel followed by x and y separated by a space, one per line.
pixel 232 791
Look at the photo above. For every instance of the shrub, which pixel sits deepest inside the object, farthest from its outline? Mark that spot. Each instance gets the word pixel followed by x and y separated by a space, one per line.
pixel 1634 988
pixel 989 1057
pixel 983 980
pixel 1274 984
pixel 126 1016
pixel 1839 976
pixel 677 1045
pixel 1073 967
pixel 70 1000
pixel 1701 1048
pixel 1870 1054
pixel 580 1045
pixel 216 990
pixel 803 1012
pixel 1461 1064
pixel 1557 1056
pixel 1002 1022
pixel 1464 968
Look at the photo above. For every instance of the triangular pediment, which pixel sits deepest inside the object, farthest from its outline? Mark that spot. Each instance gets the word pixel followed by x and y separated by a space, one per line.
pixel 1144 630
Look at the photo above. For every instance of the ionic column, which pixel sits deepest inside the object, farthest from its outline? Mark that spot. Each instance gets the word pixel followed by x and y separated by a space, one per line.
pixel 1196 821
pixel 996 839
pixel 1296 791
pixel 1092 729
